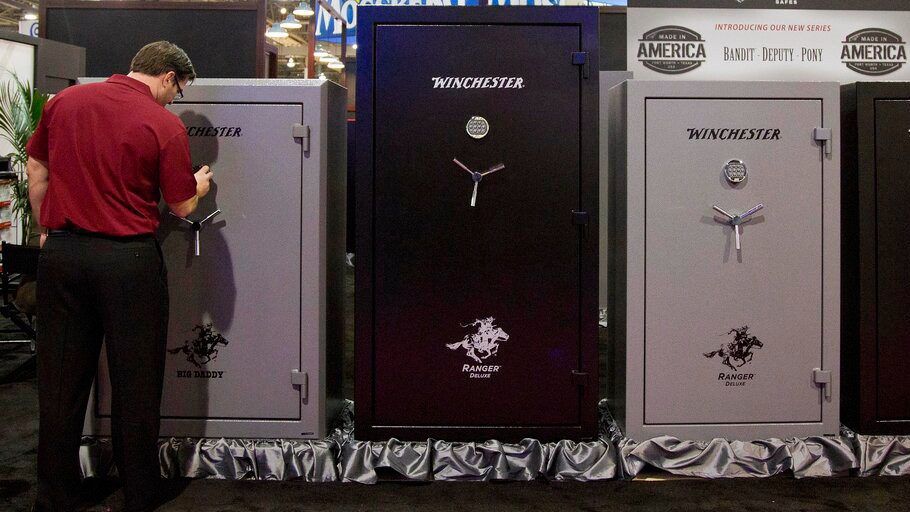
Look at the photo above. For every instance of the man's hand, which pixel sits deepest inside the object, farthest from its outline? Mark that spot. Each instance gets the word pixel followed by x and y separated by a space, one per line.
pixel 203 184
pixel 203 181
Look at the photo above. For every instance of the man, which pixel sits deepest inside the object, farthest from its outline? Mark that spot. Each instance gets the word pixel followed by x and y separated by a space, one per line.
pixel 97 161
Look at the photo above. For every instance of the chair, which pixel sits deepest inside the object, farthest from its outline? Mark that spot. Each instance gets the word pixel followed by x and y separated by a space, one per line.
pixel 17 276
pixel 20 265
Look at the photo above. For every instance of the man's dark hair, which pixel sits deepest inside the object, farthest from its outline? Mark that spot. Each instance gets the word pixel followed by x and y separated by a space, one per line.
pixel 160 57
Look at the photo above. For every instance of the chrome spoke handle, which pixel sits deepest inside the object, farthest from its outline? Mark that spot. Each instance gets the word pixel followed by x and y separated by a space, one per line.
pixel 216 212
pixel 197 227
pixel 463 166
pixel 476 177
pixel 497 167
pixel 752 211
pixel 722 212
pixel 735 221
pixel 181 218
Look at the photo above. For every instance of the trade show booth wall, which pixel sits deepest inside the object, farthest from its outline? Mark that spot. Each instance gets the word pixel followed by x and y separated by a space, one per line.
pixel 223 39
pixel 57 65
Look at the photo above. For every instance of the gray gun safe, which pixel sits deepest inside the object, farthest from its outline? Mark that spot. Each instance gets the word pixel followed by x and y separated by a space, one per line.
pixel 256 323
pixel 724 259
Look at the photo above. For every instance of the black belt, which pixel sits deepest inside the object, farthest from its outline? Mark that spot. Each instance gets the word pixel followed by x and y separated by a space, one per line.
pixel 92 234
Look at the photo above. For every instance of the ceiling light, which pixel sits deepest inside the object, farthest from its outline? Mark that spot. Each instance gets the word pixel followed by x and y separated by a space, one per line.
pixel 328 58
pixel 336 65
pixel 303 10
pixel 276 32
pixel 291 62
pixel 283 11
pixel 291 22
pixel 354 46
pixel 320 52
pixel 30 16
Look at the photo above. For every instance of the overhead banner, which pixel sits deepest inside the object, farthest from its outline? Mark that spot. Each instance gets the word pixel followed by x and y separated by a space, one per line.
pixel 329 29
pixel 28 27
pixel 768 40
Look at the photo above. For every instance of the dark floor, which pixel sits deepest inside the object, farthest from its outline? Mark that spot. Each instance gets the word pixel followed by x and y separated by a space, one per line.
pixel 651 491
pixel 760 495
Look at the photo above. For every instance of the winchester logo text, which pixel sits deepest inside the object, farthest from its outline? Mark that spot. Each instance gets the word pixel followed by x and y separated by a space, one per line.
pixel 478 82
pixel 213 131
pixel 733 133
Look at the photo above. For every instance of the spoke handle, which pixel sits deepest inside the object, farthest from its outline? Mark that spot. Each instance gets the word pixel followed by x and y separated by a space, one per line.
pixel 181 218
pixel 497 167
pixel 752 210
pixel 216 212
pixel 722 212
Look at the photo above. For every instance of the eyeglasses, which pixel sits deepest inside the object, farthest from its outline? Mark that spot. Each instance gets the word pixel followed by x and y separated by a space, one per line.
pixel 179 90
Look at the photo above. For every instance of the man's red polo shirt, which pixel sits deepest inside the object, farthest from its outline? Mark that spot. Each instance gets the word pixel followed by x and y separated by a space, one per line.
pixel 110 147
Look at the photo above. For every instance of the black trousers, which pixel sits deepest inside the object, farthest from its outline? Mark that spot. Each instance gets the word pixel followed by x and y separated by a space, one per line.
pixel 93 289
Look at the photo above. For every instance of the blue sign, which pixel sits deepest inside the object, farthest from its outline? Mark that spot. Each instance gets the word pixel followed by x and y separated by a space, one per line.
pixel 329 29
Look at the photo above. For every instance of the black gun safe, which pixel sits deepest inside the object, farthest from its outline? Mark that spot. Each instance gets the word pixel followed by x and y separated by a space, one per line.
pixel 477 236
pixel 875 249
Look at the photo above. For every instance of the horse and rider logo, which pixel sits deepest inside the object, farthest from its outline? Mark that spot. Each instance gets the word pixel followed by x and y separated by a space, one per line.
pixel 204 348
pixel 482 344
pixel 737 351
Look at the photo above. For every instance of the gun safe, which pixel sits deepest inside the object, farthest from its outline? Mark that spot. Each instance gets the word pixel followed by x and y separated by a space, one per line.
pixel 256 272
pixel 476 187
pixel 876 242
pixel 724 259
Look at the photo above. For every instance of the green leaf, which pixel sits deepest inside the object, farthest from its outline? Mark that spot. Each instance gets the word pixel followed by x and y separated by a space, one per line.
pixel 21 107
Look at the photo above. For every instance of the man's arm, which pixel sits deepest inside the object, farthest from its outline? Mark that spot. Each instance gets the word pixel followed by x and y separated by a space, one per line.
pixel 203 178
pixel 37 187
pixel 184 208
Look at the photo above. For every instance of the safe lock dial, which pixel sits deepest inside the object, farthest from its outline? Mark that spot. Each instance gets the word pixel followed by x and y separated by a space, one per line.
pixel 735 171
pixel 737 220
pixel 196 225
pixel 478 127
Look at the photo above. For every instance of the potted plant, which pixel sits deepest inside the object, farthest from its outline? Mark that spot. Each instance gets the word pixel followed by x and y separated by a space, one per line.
pixel 20 110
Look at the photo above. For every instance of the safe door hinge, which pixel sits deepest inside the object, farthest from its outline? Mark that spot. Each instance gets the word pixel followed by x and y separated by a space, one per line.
pixel 581 378
pixel 579 218
pixel 302 132
pixel 299 378
pixel 826 137
pixel 581 59
pixel 824 379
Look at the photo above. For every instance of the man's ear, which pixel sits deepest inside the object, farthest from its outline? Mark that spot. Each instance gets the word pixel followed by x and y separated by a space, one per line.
pixel 170 75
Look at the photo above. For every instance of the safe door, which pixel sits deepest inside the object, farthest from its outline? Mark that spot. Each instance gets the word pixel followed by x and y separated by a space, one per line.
pixel 234 274
pixel 733 263
pixel 892 244
pixel 477 271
